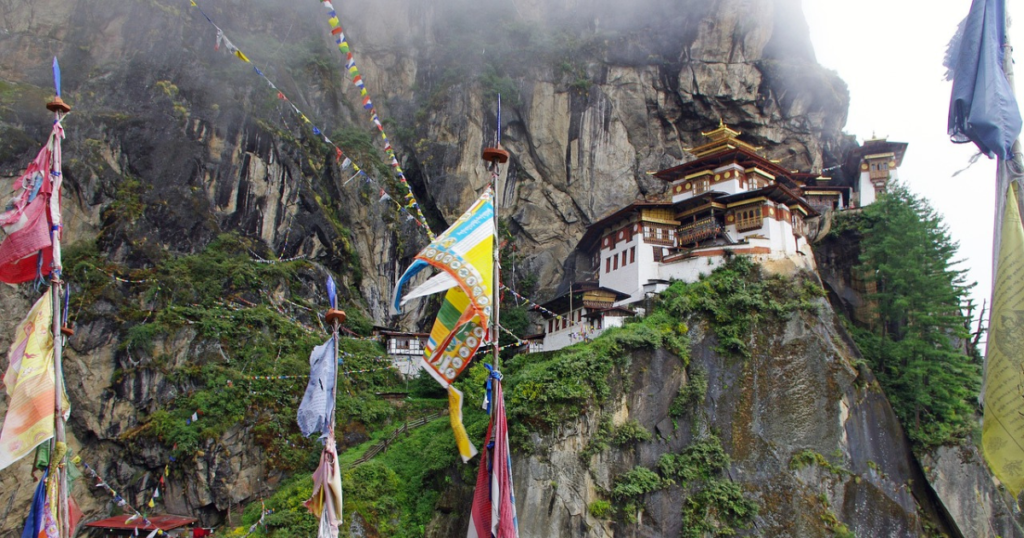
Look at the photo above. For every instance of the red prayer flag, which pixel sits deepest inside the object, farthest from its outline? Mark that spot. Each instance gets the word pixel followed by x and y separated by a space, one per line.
pixel 494 504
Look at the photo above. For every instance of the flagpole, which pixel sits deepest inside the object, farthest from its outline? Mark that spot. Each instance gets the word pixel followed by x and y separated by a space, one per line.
pixel 58 461
pixel 1014 168
pixel 496 157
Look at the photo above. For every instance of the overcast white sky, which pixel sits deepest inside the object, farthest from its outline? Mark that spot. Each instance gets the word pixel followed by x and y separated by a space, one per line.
pixel 890 53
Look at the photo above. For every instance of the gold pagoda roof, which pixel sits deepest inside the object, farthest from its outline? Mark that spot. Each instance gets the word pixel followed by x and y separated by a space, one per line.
pixel 722 139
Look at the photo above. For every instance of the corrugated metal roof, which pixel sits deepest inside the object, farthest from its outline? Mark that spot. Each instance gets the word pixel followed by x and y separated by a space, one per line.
pixel 166 522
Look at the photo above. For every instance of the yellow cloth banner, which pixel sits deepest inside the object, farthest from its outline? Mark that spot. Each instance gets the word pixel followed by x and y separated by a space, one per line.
pixel 466 448
pixel 1002 437
pixel 30 384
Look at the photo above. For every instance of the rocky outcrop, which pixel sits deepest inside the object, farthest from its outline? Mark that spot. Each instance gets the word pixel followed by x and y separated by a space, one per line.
pixel 812 440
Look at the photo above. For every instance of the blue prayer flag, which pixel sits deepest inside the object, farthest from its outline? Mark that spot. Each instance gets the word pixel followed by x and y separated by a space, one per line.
pixel 56 76
pixel 982 108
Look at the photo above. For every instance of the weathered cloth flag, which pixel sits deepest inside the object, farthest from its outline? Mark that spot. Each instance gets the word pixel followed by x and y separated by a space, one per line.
pixel 464 254
pixel 982 108
pixel 1003 429
pixel 30 215
pixel 30 384
pixel 318 402
pixel 494 501
pixel 326 502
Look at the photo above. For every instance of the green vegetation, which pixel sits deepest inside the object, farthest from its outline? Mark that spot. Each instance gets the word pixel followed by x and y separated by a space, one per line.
pixel 239 328
pixel 719 509
pixel 918 322
pixel 698 461
pixel 806 458
pixel 691 394
pixel 630 433
pixel 600 509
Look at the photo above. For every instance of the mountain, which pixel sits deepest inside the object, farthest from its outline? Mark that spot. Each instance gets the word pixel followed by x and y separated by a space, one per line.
pixel 186 173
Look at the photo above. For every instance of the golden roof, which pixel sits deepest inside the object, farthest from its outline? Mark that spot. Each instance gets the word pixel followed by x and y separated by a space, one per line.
pixel 722 139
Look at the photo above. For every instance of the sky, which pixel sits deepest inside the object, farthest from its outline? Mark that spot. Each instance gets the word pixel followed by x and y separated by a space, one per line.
pixel 890 53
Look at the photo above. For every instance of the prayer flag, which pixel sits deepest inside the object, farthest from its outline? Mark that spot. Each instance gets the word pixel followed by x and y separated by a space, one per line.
pixel 326 501
pixel 982 108
pixel 26 252
pixel 1004 404
pixel 464 254
pixel 30 384
pixel 318 402
pixel 34 521
pixel 494 501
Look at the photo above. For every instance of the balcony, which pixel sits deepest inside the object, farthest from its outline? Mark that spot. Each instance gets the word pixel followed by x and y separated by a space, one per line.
pixel 698 231
pixel 747 223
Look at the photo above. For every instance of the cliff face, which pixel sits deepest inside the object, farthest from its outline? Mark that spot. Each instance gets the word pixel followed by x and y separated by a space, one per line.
pixel 171 144
pixel 812 440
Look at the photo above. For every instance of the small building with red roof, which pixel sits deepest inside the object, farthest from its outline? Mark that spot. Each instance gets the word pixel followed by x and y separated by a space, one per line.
pixel 125 525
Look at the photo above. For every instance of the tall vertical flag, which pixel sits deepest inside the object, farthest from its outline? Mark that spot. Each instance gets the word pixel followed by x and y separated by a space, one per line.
pixel 1002 437
pixel 26 252
pixel 463 254
pixel 982 108
pixel 30 384
pixel 494 501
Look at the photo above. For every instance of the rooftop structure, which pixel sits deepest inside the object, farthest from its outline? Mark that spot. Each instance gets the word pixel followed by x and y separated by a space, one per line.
pixel 730 198
pixel 171 526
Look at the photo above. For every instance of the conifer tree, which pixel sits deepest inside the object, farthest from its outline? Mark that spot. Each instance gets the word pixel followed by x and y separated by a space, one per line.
pixel 918 319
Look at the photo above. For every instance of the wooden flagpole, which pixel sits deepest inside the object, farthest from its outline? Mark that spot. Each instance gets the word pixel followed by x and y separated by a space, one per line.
pixel 58 453
pixel 496 157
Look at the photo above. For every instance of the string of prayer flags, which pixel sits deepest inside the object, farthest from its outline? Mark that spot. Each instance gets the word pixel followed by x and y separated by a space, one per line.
pixel 532 304
pixel 228 45
pixel 464 254
pixel 357 79
pixel 344 161
pixel 122 503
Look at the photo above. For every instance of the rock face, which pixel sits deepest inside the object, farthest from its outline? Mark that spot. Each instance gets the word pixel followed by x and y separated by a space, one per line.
pixel 800 393
pixel 171 143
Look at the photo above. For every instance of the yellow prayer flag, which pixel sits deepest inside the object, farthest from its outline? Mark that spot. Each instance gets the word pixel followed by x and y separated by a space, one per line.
pixel 334 22
pixel 151 503
pixel 241 56
pixel 30 383
pixel 193 3
pixel 1002 437
pixel 466 448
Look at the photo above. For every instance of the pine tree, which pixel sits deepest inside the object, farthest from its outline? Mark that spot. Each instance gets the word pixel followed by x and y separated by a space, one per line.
pixel 913 344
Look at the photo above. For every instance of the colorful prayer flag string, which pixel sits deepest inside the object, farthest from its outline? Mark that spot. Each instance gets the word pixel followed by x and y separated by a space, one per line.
pixel 343 160
pixel 532 304
pixel 119 500
pixel 357 80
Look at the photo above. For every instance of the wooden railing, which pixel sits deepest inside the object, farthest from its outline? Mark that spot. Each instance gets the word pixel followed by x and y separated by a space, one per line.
pixel 749 223
pixel 406 428
pixel 698 231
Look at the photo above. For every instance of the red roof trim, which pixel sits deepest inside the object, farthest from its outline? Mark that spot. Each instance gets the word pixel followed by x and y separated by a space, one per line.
pixel 162 522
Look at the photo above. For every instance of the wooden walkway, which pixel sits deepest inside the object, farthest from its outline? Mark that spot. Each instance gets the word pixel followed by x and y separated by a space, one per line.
pixel 406 428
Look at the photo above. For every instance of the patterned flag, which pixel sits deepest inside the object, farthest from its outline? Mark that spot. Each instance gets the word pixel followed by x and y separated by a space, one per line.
pixel 30 384
pixel 464 254
pixel 494 501
pixel 1003 421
